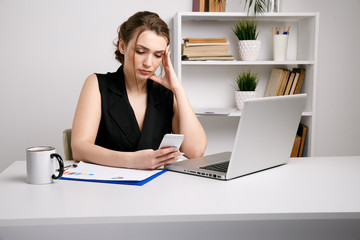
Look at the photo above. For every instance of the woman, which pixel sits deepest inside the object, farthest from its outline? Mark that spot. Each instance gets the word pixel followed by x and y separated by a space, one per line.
pixel 121 117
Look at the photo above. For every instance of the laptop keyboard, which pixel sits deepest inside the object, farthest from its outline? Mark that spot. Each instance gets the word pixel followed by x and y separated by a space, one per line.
pixel 219 167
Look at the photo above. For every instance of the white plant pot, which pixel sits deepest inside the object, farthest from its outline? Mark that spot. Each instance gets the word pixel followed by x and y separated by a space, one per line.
pixel 249 49
pixel 241 96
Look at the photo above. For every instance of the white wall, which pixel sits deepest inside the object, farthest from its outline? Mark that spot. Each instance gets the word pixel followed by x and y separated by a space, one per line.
pixel 338 98
pixel 48 48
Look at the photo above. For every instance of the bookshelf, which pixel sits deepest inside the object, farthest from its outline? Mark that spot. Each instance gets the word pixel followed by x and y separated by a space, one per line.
pixel 210 83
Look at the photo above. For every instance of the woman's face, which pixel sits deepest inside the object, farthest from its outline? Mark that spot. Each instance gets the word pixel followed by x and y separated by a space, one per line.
pixel 146 55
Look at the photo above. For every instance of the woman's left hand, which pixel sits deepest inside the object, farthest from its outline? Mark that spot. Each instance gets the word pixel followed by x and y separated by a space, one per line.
pixel 170 80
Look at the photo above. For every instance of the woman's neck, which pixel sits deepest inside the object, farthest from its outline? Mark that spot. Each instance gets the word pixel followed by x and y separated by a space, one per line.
pixel 133 87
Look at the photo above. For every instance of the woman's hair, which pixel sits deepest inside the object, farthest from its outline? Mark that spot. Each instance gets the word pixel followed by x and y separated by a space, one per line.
pixel 140 21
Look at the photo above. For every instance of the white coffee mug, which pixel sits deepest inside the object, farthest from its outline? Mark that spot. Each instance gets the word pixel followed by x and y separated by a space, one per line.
pixel 40 165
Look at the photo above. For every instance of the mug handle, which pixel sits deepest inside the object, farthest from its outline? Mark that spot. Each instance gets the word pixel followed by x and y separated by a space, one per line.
pixel 61 165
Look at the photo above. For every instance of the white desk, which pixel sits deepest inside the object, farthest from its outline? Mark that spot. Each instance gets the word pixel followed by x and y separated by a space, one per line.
pixel 309 198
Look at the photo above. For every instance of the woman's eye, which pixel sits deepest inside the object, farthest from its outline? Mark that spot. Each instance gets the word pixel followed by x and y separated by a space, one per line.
pixel 139 52
pixel 159 55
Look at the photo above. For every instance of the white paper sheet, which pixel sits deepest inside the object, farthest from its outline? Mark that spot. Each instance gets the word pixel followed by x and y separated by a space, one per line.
pixel 89 171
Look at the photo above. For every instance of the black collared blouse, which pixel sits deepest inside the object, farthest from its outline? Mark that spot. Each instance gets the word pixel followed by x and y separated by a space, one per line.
pixel 118 129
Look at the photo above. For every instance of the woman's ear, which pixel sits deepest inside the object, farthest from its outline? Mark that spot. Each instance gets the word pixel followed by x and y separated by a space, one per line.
pixel 121 46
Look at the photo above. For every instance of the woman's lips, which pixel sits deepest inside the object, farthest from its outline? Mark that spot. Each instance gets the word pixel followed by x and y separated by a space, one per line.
pixel 145 72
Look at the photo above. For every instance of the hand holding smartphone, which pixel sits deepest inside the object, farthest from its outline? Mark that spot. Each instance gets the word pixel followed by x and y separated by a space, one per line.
pixel 172 140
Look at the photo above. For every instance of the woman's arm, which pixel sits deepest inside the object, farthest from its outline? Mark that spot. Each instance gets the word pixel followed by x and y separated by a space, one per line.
pixel 184 121
pixel 84 130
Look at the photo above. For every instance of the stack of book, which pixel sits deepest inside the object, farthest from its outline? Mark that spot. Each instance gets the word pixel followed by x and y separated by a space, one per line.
pixel 285 82
pixel 206 49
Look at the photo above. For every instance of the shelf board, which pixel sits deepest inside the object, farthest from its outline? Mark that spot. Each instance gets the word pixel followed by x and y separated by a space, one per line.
pixel 240 63
pixel 230 16
pixel 237 113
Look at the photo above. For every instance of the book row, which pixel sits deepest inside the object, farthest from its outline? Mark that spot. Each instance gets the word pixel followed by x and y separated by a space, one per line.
pixel 208 6
pixel 285 82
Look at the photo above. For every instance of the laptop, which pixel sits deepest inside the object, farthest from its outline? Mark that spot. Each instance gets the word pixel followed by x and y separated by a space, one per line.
pixel 264 139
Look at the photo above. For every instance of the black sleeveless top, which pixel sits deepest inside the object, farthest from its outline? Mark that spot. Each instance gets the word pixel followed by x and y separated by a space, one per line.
pixel 118 129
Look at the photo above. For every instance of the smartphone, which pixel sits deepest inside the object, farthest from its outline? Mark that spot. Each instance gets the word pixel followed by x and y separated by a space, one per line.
pixel 172 140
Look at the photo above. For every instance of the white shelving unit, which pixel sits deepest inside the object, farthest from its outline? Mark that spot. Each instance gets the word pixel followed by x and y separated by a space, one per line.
pixel 211 83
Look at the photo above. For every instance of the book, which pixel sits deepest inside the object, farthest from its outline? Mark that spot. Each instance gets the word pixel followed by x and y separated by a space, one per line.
pixel 293 85
pixel 204 46
pixel 216 6
pixel 274 82
pixel 300 81
pixel 187 44
pixel 205 40
pixel 206 50
pixel 302 130
pixel 284 80
pixel 204 58
pixel 198 6
pixel 96 173
pixel 289 83
pixel 222 6
pixel 296 147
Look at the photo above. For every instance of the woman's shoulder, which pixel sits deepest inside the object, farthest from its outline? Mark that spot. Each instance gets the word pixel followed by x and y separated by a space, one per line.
pixel 90 80
pixel 104 75
pixel 110 74
pixel 110 80
pixel 98 81
pixel 90 89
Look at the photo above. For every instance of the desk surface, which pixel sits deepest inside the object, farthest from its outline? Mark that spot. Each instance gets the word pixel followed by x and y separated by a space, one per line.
pixel 305 188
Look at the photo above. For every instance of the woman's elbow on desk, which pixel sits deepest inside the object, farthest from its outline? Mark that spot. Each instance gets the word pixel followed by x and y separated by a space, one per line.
pixel 195 151
pixel 91 153
pixel 194 155
pixel 82 150
pixel 76 152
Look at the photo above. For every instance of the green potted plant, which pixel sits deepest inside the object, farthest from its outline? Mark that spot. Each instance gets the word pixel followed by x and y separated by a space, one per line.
pixel 249 45
pixel 258 6
pixel 245 84
pixel 261 6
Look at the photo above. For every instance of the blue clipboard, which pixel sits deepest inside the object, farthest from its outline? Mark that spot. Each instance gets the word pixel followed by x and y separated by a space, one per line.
pixel 137 183
pixel 88 172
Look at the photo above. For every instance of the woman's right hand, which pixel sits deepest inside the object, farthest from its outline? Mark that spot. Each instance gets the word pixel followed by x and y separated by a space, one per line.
pixel 152 159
